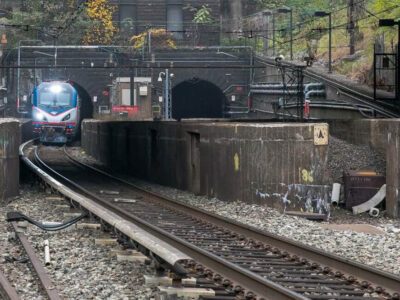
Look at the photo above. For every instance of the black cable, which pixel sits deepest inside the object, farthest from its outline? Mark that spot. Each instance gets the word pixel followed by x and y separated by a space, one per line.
pixel 8 259
pixel 17 216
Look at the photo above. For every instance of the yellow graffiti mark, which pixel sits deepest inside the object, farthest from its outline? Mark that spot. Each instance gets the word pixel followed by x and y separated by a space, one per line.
pixel 307 176
pixel 236 129
pixel 310 129
pixel 236 159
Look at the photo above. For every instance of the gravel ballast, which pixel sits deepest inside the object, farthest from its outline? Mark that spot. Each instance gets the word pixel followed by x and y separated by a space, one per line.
pixel 79 268
pixel 377 250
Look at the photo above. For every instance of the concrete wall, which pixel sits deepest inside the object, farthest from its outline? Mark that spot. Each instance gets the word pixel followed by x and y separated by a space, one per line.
pixel 273 164
pixel 382 135
pixel 9 158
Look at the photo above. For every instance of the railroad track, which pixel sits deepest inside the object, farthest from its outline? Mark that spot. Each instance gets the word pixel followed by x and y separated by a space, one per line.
pixel 360 98
pixel 255 262
pixel 7 291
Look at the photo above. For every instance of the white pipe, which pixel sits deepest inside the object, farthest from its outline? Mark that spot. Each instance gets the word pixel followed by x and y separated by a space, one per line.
pixel 370 204
pixel 335 194
pixel 46 253
pixel 374 212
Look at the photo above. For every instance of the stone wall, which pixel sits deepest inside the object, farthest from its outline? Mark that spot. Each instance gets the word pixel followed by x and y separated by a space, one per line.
pixel 273 164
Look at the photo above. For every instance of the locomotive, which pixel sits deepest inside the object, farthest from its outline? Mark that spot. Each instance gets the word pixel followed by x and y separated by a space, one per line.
pixel 58 109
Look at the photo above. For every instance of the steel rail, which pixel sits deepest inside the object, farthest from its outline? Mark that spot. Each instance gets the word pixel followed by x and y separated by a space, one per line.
pixel 46 282
pixel 385 280
pixel 344 90
pixel 7 291
pixel 247 279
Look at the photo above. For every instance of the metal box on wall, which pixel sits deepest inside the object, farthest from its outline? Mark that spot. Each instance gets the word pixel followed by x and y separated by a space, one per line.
pixel 360 186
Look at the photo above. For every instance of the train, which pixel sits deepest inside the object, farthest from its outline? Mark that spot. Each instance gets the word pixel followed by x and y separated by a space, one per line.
pixel 57 111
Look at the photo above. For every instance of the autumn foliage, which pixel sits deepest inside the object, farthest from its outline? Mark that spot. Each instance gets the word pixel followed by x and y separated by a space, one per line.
pixel 103 29
pixel 160 38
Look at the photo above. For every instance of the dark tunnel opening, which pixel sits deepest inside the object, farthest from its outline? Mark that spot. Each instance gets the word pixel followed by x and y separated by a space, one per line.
pixel 86 101
pixel 197 99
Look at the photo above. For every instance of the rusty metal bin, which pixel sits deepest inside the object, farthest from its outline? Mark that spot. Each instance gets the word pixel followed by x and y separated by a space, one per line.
pixel 360 186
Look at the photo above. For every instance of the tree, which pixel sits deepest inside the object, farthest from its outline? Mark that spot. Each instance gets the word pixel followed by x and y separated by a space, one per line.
pixel 47 20
pixel 355 11
pixel 201 15
pixel 160 38
pixel 102 30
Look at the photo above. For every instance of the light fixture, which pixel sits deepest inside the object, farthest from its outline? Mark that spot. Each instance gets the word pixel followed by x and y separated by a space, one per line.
pixel 159 78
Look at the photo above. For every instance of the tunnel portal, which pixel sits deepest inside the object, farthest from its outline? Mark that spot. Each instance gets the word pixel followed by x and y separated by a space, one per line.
pixel 197 98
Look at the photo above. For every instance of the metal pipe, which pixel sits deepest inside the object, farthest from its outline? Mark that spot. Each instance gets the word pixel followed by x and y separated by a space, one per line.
pixel 274 92
pixel 308 86
pixel 314 93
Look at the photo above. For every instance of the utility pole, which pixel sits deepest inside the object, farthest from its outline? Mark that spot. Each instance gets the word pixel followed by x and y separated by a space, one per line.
pixel 330 43
pixel 273 35
pixel 167 116
pixel 324 14
pixel 285 11
pixel 351 27
pixel 132 88
pixel 291 34
pixel 19 71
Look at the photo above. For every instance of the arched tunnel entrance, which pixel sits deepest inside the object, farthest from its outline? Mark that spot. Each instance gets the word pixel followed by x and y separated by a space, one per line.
pixel 86 101
pixel 197 98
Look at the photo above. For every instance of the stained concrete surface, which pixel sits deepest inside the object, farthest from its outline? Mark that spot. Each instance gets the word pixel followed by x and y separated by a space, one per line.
pixel 275 164
pixel 9 158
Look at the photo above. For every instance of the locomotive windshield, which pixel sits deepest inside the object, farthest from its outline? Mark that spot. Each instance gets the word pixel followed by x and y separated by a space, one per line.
pixel 55 95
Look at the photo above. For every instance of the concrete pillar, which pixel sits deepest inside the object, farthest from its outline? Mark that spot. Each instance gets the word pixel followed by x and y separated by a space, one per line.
pixel 393 170
pixel 9 159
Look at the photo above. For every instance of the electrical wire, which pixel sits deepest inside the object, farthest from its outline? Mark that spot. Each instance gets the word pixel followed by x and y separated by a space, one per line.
pixel 17 216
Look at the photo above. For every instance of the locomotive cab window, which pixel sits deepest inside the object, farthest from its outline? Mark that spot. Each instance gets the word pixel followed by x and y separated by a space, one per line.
pixel 59 95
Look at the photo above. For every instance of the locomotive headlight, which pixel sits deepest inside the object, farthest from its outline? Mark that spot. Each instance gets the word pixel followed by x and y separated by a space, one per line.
pixel 56 89
pixel 39 116
pixel 67 117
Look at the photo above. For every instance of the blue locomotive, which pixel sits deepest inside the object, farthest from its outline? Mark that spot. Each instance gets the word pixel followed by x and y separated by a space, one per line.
pixel 56 112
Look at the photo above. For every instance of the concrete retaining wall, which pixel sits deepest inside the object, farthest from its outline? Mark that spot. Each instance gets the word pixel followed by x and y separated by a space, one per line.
pixel 9 158
pixel 379 134
pixel 273 164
